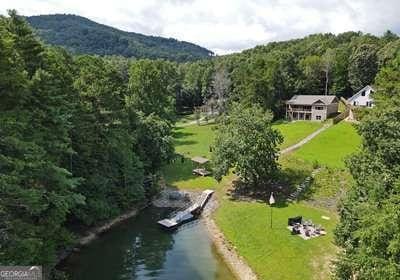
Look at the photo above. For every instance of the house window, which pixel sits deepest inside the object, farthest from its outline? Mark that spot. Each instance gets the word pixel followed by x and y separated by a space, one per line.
pixel 318 118
pixel 354 103
pixel 363 93
pixel 319 108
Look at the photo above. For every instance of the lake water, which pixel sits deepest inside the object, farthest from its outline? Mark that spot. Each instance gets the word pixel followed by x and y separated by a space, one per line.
pixel 139 249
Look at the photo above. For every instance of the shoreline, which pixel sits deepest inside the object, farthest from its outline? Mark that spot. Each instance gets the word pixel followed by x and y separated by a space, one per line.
pixel 96 232
pixel 236 264
pixel 232 259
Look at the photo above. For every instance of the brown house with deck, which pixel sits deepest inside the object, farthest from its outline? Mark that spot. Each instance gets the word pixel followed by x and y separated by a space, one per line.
pixel 311 107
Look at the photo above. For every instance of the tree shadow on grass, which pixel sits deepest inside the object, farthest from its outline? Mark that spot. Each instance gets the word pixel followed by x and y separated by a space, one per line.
pixel 290 178
pixel 177 133
pixel 185 142
pixel 180 171
pixel 240 191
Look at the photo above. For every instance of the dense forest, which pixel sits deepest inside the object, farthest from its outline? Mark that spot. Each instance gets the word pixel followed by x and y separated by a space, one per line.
pixel 81 134
pixel 78 141
pixel 268 75
pixel 83 36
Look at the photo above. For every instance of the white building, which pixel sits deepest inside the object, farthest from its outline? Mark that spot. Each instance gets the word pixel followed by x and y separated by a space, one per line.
pixel 363 98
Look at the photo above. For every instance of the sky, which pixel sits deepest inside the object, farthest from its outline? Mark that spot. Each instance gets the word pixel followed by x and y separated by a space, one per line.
pixel 226 26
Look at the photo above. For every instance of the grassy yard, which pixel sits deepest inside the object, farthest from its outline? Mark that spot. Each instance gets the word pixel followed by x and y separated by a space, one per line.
pixel 195 140
pixel 275 253
pixel 293 132
pixel 332 146
pixel 327 185
pixel 190 141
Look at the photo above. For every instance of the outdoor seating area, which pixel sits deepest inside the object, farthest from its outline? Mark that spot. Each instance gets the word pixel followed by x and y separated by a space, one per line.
pixel 201 172
pixel 201 169
pixel 305 229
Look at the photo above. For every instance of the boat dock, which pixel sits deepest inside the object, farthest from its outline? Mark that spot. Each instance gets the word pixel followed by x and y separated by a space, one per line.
pixel 189 213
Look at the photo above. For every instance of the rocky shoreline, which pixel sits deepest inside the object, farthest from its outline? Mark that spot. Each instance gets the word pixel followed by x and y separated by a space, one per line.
pixel 181 199
pixel 171 198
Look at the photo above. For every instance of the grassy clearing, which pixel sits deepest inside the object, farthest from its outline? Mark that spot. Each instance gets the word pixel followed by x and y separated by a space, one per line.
pixel 195 140
pixel 293 132
pixel 190 119
pixel 190 141
pixel 327 185
pixel 332 146
pixel 275 253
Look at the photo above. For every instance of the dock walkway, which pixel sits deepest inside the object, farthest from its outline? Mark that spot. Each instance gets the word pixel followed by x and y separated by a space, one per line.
pixel 189 213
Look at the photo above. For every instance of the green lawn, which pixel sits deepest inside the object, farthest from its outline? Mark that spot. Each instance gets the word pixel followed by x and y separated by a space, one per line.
pixel 275 253
pixel 195 140
pixel 293 132
pixel 332 146
pixel 190 141
pixel 328 182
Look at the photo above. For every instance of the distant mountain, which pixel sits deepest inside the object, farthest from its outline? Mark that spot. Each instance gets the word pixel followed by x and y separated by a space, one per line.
pixel 83 36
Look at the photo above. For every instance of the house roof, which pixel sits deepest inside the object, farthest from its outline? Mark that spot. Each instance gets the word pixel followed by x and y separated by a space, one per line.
pixel 366 88
pixel 312 99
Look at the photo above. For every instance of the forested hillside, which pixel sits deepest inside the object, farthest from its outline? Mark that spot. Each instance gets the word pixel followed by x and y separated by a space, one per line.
pixel 77 141
pixel 369 230
pixel 270 74
pixel 79 134
pixel 83 36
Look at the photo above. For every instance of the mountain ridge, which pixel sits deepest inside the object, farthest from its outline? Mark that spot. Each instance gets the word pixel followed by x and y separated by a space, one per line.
pixel 84 36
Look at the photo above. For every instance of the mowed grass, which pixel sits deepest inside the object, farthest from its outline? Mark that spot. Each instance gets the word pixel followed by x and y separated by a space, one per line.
pixel 327 185
pixel 293 132
pixel 275 253
pixel 194 140
pixel 272 253
pixel 332 146
pixel 190 141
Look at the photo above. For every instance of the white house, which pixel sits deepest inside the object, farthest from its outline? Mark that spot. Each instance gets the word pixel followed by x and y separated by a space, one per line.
pixel 363 98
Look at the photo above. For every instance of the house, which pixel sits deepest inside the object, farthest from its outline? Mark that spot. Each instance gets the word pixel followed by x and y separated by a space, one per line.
pixel 311 107
pixel 362 98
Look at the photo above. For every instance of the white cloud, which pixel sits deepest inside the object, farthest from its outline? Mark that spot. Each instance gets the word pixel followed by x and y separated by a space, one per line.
pixel 226 25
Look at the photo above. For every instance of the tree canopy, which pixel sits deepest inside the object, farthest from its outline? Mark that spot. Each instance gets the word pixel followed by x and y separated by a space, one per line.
pixel 246 142
pixel 74 149
pixel 369 229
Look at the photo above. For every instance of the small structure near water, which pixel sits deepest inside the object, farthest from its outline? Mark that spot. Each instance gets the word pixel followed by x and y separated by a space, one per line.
pixel 201 169
pixel 189 213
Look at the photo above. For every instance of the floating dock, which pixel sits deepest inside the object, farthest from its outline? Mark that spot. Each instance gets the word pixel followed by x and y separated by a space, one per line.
pixel 188 214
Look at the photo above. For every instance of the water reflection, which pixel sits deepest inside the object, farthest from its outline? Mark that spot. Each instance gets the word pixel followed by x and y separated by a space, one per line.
pixel 139 249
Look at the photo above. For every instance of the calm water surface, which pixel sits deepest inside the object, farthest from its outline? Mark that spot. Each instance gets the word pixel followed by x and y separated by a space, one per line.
pixel 139 249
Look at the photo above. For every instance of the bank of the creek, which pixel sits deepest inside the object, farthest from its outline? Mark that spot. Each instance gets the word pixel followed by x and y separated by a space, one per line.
pixel 138 249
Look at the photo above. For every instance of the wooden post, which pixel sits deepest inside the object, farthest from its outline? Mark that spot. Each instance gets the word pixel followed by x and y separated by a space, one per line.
pixel 271 215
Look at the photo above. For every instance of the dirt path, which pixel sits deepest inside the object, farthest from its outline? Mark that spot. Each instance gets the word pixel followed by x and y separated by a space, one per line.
pixel 305 140
pixel 200 121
